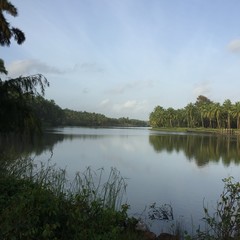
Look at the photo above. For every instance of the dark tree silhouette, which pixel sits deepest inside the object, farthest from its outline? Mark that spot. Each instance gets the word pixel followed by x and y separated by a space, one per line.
pixel 6 30
pixel 16 115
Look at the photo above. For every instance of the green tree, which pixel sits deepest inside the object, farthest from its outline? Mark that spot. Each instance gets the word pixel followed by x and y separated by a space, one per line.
pixel 16 115
pixel 2 68
pixel 236 113
pixel 190 114
pixel 15 94
pixel 210 113
pixel 202 109
pixel 181 118
pixel 218 113
pixel 170 115
pixel 47 111
pixel 201 103
pixel 7 31
pixel 157 117
pixel 227 107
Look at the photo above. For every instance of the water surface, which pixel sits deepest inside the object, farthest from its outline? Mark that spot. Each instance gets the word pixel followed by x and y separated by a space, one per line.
pixel 176 168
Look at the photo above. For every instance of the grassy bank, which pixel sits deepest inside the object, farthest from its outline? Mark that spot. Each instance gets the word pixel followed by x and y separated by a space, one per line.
pixel 43 204
pixel 38 202
pixel 200 130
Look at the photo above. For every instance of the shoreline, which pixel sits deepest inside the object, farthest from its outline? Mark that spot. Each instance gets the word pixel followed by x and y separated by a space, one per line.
pixel 213 131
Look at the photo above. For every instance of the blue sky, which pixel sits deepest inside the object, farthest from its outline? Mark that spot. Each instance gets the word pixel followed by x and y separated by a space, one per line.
pixel 124 57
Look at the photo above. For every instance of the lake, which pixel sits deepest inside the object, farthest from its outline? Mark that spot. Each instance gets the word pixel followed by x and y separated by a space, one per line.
pixel 184 170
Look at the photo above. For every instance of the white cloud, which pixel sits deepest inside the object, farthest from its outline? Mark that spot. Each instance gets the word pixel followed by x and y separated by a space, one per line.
pixel 104 102
pixel 132 85
pixel 88 67
pixel 30 66
pixel 202 88
pixel 130 106
pixel 234 46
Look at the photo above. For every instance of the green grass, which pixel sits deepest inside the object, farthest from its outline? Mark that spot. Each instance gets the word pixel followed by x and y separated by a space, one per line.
pixel 39 202
pixel 42 204
pixel 165 129
pixel 199 130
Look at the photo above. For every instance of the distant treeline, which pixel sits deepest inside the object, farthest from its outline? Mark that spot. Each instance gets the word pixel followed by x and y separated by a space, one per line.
pixel 203 113
pixel 50 114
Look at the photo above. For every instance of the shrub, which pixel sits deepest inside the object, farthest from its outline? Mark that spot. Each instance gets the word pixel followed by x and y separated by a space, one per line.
pixel 39 204
pixel 224 223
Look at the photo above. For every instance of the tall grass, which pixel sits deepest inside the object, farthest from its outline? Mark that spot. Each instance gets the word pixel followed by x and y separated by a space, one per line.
pixel 39 202
pixel 110 192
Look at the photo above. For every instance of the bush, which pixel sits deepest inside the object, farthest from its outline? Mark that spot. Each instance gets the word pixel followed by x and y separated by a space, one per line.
pixel 39 204
pixel 224 223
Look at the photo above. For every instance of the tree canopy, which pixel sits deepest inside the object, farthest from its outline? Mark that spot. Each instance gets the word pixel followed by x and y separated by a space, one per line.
pixel 6 30
pixel 203 113
pixel 16 115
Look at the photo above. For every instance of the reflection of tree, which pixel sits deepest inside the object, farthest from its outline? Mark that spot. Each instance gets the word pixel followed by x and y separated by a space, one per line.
pixel 14 146
pixel 202 149
pixel 17 150
pixel 19 146
pixel 82 136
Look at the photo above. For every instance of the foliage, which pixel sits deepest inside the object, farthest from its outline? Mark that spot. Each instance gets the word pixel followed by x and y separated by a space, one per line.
pixel 203 113
pixel 16 115
pixel 201 148
pixel 2 67
pixel 79 118
pixel 15 94
pixel 6 31
pixel 224 223
pixel 52 115
pixel 164 212
pixel 38 204
pixel 47 111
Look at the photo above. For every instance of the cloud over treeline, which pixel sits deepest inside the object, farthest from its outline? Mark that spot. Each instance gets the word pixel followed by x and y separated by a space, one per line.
pixel 234 46
pixel 31 66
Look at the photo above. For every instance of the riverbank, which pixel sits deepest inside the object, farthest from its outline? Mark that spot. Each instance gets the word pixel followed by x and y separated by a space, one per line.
pixel 221 131
pixel 42 204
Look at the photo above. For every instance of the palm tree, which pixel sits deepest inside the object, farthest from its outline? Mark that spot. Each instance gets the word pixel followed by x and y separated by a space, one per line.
pixel 190 114
pixel 218 112
pixel 6 31
pixel 170 115
pixel 236 113
pixel 157 117
pixel 180 117
pixel 213 112
pixel 209 113
pixel 227 106
pixel 202 109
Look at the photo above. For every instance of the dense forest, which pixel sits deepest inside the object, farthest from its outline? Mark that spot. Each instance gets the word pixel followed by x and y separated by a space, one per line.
pixel 203 113
pixel 23 109
pixel 50 114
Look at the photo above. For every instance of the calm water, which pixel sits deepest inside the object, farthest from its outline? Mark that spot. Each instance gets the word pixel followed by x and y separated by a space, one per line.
pixel 179 169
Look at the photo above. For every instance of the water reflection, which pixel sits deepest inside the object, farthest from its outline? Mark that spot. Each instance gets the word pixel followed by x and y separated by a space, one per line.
pixel 201 149
pixel 12 145
pixel 159 167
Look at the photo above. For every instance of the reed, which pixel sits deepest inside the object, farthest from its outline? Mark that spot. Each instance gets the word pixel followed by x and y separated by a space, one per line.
pixel 38 201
